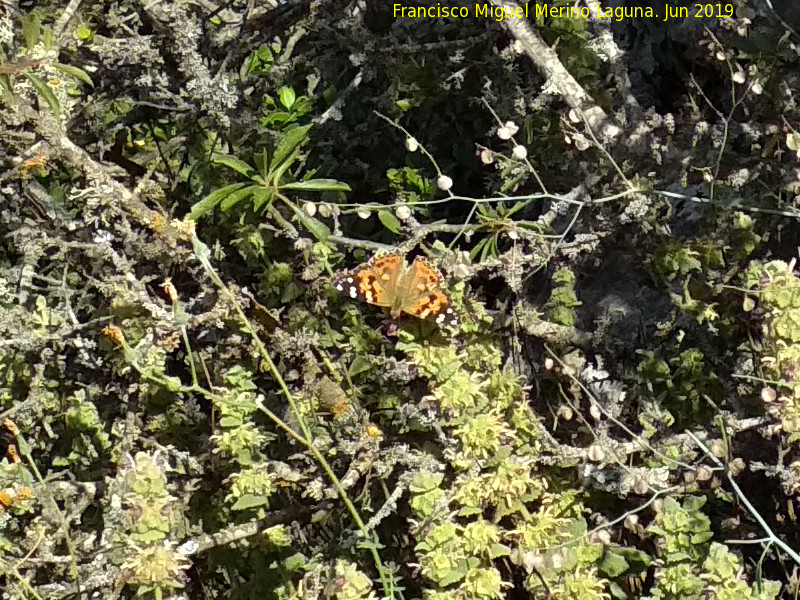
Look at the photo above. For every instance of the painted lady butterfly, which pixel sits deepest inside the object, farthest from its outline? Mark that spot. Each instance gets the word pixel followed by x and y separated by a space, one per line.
pixel 389 282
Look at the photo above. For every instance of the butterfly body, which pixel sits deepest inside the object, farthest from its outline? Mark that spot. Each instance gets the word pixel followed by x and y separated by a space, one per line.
pixel 388 281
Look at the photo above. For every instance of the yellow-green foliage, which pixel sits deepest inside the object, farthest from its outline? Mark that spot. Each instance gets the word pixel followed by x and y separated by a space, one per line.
pixel 693 567
pixel 241 440
pixel 723 577
pixel 83 420
pixel 775 288
pixel 483 409
pixel 152 568
pixel 150 562
pixel 563 301
pixel 350 583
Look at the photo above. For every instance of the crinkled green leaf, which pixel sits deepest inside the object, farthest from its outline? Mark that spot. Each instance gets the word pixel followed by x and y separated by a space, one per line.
pixel 613 565
pixel 249 501
pixel 230 422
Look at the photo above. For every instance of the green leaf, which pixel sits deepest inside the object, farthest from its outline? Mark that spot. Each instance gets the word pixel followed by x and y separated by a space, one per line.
pixel 389 221
pixel 172 384
pixel 230 422
pixel 47 38
pixel 148 537
pixel 259 61
pixel 249 501
pixel 793 141
pixel 275 118
pixel 5 83
pixel 617 592
pixel 261 197
pixel 207 204
pixel 287 96
pixel 470 511
pixel 612 565
pixel 234 198
pixel 367 544
pixel 261 160
pixel 359 365
pixel 451 576
pixel 317 185
pixel 24 447
pixel 31 29
pixel 425 481
pixel 315 227
pixel 44 90
pixel 286 147
pixel 234 163
pixel 75 72
pixel 295 562
pixel 478 249
pixel 84 33
pixel 498 550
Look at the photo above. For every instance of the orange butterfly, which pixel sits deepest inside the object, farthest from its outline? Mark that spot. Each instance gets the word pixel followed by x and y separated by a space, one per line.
pixel 389 282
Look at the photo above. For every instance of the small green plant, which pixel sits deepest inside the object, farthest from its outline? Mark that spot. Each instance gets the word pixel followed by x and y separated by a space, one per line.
pixel 270 179
pixel 151 562
pixel 39 40
pixel 692 567
pixel 560 308
pixel 774 298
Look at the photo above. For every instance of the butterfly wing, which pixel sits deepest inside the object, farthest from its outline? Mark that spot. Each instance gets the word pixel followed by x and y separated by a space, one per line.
pixel 375 282
pixel 423 296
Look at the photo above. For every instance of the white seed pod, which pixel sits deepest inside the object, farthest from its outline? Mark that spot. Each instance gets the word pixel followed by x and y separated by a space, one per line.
pixel 519 152
pixel 507 131
pixel 768 394
pixel 444 183
pixel 402 212
pixel 364 213
pixel 412 145
pixel 595 411
pixel 596 453
pixel 581 143
pixel 310 208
